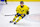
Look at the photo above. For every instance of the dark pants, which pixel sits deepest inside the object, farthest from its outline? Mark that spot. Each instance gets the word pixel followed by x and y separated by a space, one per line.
pixel 6 1
pixel 20 15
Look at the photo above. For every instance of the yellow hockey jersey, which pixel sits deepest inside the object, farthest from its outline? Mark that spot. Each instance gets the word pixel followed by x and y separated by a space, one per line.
pixel 22 10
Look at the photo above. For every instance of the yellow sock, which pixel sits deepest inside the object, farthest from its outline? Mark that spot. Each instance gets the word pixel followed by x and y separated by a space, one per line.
pixel 14 18
pixel 19 19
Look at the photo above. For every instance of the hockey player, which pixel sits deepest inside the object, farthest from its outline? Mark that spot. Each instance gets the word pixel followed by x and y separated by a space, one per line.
pixel 21 10
pixel 5 1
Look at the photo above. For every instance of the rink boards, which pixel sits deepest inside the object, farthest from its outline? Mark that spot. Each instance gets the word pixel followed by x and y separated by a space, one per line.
pixel 23 0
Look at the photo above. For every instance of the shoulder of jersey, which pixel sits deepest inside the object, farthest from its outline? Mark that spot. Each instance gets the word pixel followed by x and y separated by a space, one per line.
pixel 18 6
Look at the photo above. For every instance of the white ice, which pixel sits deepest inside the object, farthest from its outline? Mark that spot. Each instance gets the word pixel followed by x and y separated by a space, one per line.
pixel 32 20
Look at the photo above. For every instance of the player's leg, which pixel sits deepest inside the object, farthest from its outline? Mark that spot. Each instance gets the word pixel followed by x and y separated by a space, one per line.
pixel 18 20
pixel 6 1
pixel 21 17
pixel 14 18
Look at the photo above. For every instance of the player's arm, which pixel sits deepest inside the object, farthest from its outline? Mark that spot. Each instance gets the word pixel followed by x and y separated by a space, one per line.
pixel 17 10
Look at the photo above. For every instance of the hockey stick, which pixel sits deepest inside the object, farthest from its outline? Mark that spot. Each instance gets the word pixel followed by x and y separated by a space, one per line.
pixel 10 15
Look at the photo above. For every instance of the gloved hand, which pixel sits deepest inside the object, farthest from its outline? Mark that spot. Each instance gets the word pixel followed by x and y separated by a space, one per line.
pixel 27 12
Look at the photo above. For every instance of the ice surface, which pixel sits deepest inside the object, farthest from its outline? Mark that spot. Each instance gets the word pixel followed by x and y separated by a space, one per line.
pixel 10 8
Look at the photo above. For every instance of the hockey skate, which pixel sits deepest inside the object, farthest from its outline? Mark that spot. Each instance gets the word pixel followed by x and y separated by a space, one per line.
pixel 15 22
pixel 11 21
